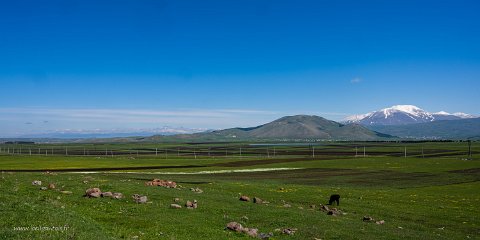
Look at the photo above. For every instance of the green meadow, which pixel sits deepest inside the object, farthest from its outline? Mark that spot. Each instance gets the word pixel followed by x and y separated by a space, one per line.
pixel 431 192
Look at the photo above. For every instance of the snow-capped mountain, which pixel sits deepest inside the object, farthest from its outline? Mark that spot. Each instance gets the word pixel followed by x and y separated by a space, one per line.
pixel 403 114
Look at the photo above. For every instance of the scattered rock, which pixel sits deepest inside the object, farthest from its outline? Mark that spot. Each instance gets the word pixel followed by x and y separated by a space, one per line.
pixel 334 212
pixel 161 183
pixel 257 200
pixel 265 235
pixel 289 231
pixel 93 192
pixel 139 198
pixel 368 219
pixel 191 205
pixel 331 212
pixel 234 226
pixel 286 205
pixel 381 222
pixel 37 183
pixel 196 190
pixel 324 208
pixel 107 194
pixel 51 186
pixel 252 232
pixel 176 199
pixel 117 195
pixel 245 199
pixel 175 206
pixel 237 227
pixel 66 192
pixel 43 188
pixel 313 206
pixel 244 218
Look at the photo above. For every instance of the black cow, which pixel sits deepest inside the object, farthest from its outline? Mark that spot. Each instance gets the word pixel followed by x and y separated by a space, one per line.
pixel 334 198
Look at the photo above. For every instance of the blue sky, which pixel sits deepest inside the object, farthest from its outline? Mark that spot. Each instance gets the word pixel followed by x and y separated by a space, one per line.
pixel 216 64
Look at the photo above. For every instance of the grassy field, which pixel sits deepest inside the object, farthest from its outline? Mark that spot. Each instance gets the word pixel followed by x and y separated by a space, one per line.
pixel 429 195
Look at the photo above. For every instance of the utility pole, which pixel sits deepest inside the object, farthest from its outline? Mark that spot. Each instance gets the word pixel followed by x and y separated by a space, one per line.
pixel 363 151
pixel 268 153
pixel 356 151
pixel 405 152
pixel 240 152
pixel 156 151
pixel 313 152
pixel 470 149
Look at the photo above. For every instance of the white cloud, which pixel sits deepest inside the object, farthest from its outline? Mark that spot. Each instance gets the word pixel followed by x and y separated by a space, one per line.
pixel 356 80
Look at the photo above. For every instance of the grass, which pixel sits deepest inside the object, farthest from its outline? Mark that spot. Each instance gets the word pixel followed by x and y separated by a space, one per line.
pixel 419 198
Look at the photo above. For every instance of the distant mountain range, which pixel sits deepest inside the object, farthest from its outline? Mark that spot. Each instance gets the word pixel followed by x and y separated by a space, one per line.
pixel 299 127
pixel 411 123
pixel 402 115
pixel 113 133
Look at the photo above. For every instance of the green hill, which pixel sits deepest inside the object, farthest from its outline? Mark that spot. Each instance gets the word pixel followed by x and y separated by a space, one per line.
pixel 299 127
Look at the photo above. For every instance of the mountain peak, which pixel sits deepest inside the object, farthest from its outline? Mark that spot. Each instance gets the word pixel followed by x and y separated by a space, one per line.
pixel 403 114
pixel 405 108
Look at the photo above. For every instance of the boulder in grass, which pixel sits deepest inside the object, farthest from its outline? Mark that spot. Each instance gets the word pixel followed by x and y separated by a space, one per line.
pixel 43 188
pixel 107 194
pixel 235 226
pixel 265 235
pixel 175 206
pixel 368 219
pixel 257 200
pixel 245 199
pixel 66 192
pixel 196 190
pixel 381 222
pixel 93 192
pixel 324 208
pixel 289 231
pixel 140 198
pixel 252 232
pixel 117 195
pixel 161 183
pixel 191 205
pixel 51 186
pixel 37 183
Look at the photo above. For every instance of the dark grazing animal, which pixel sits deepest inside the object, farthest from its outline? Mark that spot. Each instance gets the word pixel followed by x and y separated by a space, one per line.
pixel 334 198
